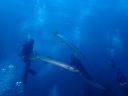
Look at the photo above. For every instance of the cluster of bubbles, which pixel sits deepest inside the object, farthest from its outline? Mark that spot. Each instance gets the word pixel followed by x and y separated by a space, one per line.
pixel 40 13
pixel 6 75
pixel 7 82
pixel 19 88
pixel 84 13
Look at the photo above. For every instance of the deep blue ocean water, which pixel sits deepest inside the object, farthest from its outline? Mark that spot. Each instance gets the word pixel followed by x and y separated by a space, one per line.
pixel 98 28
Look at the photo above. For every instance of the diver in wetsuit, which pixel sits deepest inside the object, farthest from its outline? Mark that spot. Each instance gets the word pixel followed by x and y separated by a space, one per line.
pixel 26 53
pixel 78 65
pixel 122 80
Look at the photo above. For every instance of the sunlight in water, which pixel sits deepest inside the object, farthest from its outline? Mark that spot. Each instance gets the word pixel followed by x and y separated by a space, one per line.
pixel 122 5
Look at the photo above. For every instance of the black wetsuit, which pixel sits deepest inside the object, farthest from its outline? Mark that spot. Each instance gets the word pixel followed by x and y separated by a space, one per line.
pixel 122 80
pixel 26 54
pixel 78 64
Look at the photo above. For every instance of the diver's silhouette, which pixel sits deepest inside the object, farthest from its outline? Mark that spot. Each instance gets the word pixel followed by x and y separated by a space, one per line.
pixel 122 80
pixel 78 64
pixel 26 53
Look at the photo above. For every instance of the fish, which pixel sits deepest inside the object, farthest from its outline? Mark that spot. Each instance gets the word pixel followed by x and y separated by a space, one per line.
pixel 71 68
pixel 69 44
pixel 92 83
pixel 59 63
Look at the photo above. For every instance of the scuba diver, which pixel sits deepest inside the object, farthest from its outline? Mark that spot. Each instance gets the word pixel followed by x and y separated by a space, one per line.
pixel 122 80
pixel 26 53
pixel 104 92
pixel 78 65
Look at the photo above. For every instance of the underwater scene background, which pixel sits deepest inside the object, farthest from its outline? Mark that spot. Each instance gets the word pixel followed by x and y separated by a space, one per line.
pixel 98 28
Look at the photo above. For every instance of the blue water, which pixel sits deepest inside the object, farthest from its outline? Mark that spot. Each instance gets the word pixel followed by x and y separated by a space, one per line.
pixel 97 27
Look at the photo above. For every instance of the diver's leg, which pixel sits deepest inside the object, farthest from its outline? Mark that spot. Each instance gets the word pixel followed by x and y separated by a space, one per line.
pixel 24 80
pixel 25 76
